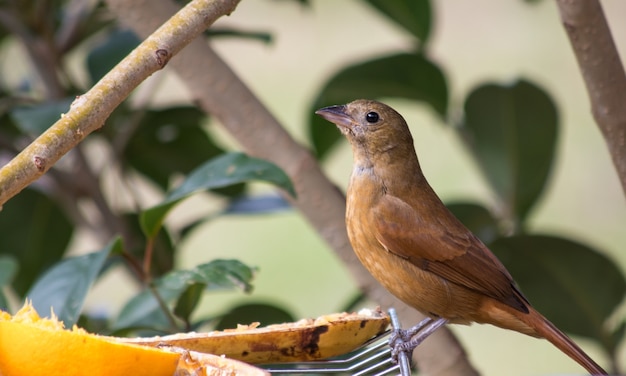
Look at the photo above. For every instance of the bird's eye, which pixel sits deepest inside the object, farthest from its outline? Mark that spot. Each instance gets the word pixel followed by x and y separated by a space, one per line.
pixel 371 117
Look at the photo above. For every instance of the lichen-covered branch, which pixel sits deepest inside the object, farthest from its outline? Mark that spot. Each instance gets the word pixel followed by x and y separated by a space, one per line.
pixel 219 91
pixel 89 111
pixel 602 71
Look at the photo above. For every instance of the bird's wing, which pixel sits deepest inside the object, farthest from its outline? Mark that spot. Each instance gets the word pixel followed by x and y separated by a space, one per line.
pixel 445 248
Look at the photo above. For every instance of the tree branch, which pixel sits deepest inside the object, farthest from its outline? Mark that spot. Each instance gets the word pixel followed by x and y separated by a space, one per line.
pixel 602 71
pixel 219 91
pixel 89 111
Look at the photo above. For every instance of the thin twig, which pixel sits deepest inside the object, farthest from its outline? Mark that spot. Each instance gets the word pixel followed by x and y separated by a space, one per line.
pixel 89 111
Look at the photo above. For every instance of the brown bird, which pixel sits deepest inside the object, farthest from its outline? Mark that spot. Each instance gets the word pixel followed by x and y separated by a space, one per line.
pixel 415 247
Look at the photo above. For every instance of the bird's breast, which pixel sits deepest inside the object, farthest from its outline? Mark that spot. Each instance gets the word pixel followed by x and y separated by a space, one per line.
pixel 421 289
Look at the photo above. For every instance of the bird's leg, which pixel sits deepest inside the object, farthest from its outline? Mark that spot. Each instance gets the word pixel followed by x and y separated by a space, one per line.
pixel 406 340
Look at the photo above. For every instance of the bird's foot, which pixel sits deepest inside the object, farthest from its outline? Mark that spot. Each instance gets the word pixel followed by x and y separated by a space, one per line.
pixel 406 340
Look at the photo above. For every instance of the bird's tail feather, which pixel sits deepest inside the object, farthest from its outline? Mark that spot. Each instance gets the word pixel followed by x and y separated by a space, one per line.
pixel 559 339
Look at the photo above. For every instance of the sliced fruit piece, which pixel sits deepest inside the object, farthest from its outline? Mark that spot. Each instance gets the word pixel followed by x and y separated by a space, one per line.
pixel 34 346
pixel 305 340
pixel 30 345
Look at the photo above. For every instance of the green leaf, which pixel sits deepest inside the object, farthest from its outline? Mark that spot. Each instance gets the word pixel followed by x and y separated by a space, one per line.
pixel 143 310
pixel 8 270
pixel 170 141
pixel 110 52
pixel 64 286
pixel 406 75
pixel 222 171
pixel 36 232
pixel 574 286
pixel 264 313
pixel 512 129
pixel 476 218
pixel 163 250
pixel 216 275
pixel 188 301
pixel 34 120
pixel 413 15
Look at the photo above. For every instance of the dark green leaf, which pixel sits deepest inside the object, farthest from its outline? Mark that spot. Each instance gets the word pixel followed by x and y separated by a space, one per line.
pixel 170 141
pixel 222 171
pixel 36 232
pixel 574 286
pixel 8 270
pixel 109 53
pixel 143 310
pixel 406 75
pixel 163 250
pixel 413 15
pixel 354 302
pixel 216 275
pixel 64 286
pixel 512 130
pixel 478 219
pixel 34 120
pixel 266 314
pixel 188 301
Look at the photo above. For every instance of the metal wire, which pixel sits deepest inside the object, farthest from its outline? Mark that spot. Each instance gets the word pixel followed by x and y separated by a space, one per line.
pixel 371 359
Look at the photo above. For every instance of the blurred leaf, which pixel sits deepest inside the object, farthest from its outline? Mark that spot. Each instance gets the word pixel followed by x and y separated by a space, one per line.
pixel 248 313
pixel 512 130
pixel 36 232
pixel 163 250
pixel 188 301
pixel 574 286
pixel 170 141
pixel 406 75
pixel 222 171
pixel 477 218
pixel 143 310
pixel 257 205
pixel 110 52
pixel 413 15
pixel 216 275
pixel 353 304
pixel 64 286
pixel 34 120
pixel 8 270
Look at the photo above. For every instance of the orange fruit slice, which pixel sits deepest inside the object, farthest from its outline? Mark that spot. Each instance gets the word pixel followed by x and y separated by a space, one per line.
pixel 31 345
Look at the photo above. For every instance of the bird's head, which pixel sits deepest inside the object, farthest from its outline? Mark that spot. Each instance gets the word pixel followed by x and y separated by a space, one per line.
pixel 372 127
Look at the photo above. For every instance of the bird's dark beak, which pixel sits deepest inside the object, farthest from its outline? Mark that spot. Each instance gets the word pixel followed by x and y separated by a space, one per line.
pixel 336 115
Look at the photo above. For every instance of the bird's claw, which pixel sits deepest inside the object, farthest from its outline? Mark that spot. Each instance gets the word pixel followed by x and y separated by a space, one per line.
pixel 406 340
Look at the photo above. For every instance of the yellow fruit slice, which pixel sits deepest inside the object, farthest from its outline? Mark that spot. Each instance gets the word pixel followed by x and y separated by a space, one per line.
pixel 305 340
pixel 33 346
pixel 30 345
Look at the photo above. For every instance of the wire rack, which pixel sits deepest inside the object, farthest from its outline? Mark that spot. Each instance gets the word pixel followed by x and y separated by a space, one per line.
pixel 372 359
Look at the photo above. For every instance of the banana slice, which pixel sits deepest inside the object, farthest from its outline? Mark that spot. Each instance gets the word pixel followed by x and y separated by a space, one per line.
pixel 305 340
